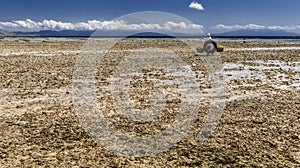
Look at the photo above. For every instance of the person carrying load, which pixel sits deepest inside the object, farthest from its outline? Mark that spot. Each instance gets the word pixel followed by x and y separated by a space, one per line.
pixel 212 41
pixel 210 46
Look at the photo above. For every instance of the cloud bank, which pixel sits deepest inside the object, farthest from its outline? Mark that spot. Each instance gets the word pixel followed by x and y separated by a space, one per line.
pixel 254 27
pixel 196 5
pixel 30 25
pixel 236 27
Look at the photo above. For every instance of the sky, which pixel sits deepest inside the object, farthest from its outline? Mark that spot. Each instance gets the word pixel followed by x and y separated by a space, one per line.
pixel 208 15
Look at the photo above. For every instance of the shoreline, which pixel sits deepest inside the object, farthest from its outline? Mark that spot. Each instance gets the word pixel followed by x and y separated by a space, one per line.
pixel 264 39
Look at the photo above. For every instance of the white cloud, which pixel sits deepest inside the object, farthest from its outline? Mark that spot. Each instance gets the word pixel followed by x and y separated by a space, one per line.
pixel 222 27
pixel 8 24
pixel 196 5
pixel 26 24
pixel 182 26
pixel 236 27
pixel 30 25
pixel 293 27
pixel 52 24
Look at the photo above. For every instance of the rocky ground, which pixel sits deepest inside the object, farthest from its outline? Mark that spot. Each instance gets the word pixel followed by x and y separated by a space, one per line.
pixel 259 126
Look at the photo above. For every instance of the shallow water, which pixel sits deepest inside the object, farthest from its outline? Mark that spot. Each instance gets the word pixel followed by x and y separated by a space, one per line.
pixel 277 74
pixel 264 49
pixel 261 41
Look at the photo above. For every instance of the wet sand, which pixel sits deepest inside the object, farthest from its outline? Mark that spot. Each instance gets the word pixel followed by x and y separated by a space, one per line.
pixel 259 126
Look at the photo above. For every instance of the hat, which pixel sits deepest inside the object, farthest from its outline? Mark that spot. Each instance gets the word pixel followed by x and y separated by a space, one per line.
pixel 208 34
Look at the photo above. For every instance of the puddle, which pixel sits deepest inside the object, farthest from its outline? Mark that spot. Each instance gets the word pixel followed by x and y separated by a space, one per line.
pixel 264 49
pixel 277 74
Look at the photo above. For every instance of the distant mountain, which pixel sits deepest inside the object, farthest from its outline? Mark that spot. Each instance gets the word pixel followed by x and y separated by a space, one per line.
pixel 150 35
pixel 4 33
pixel 257 33
pixel 52 33
pixel 100 33
pixel 78 33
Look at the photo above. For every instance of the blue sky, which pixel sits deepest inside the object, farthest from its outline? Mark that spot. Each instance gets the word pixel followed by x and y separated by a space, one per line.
pixel 218 15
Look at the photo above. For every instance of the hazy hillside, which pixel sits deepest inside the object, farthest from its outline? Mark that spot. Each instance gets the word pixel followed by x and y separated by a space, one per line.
pixel 258 32
pixel 53 33
pixel 6 33
pixel 86 33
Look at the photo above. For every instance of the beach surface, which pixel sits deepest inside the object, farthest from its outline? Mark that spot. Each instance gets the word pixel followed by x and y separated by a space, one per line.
pixel 258 127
